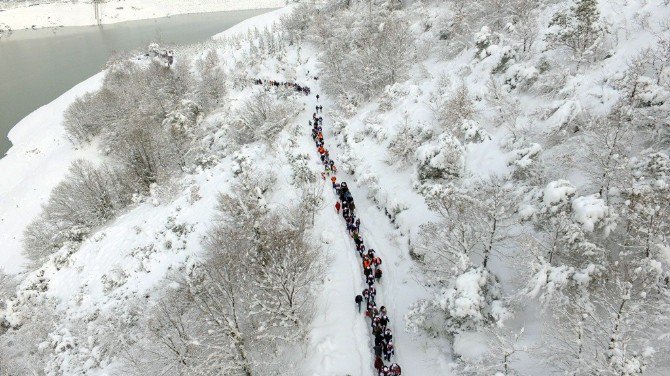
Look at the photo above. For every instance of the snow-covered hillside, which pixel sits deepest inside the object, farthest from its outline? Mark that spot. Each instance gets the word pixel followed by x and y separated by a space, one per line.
pixel 508 160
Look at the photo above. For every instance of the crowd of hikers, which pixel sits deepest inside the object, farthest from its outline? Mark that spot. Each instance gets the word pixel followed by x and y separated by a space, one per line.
pixel 290 85
pixel 383 337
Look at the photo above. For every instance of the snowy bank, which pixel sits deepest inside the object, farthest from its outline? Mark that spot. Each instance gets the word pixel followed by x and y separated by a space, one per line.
pixel 82 13
pixel 41 154
pixel 37 161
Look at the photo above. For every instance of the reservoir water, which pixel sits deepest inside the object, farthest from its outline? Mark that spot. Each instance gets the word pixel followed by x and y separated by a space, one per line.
pixel 36 66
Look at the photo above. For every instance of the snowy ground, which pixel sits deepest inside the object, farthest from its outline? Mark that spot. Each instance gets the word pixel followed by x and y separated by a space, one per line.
pixel 41 155
pixel 37 161
pixel 65 13
pixel 341 340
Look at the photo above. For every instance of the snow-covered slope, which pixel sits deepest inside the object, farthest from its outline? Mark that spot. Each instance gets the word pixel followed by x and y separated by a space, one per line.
pixel 37 161
pixel 482 146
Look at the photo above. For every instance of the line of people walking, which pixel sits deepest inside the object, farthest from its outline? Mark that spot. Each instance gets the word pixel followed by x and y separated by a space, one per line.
pixel 383 337
pixel 291 85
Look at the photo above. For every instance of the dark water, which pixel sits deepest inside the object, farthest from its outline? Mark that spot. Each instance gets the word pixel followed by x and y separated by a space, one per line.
pixel 36 66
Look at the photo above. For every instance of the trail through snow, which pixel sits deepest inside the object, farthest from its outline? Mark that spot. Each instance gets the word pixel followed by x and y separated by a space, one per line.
pixel 341 339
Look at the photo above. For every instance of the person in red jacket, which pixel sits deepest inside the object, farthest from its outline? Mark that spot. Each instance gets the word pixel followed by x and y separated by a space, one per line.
pixel 395 369
pixel 379 363
pixel 337 207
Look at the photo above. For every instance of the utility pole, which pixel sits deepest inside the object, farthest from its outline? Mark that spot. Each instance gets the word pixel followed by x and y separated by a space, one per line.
pixel 96 7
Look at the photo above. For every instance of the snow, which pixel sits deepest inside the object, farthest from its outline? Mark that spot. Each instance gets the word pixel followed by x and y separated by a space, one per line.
pixel 37 161
pixel 41 155
pixel 469 298
pixel 557 192
pixel 340 339
pixel 471 346
pixel 81 13
pixel 589 211
pixel 128 259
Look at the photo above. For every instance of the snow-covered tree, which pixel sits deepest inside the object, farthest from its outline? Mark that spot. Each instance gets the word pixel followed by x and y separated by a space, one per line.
pixel 474 228
pixel 88 197
pixel 440 159
pixel 261 117
pixel 456 109
pixel 607 142
pixel 470 301
pixel 212 86
pixel 579 28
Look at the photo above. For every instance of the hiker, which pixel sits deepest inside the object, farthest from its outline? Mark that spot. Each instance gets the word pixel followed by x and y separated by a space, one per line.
pixel 370 309
pixel 387 335
pixel 358 299
pixel 337 207
pixel 333 179
pixel 374 324
pixel 366 263
pixel 379 341
pixel 372 292
pixel 366 295
pixel 378 274
pixel 376 261
pixel 367 272
pixel 379 363
pixel 370 280
pixel 317 97
pixel 385 371
pixel 383 320
pixel 395 369
pixel 360 248
pixel 382 309
pixel 389 351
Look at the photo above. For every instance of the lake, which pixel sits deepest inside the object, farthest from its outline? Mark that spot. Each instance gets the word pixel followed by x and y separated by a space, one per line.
pixel 36 66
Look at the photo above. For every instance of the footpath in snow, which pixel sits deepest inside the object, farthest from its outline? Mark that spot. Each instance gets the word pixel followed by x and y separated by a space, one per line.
pixel 341 342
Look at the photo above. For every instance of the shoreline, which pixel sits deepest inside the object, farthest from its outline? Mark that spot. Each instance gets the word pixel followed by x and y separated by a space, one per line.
pixel 60 14
pixel 39 144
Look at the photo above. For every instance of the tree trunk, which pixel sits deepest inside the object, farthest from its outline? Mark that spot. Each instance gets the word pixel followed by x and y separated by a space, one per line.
pixel 487 250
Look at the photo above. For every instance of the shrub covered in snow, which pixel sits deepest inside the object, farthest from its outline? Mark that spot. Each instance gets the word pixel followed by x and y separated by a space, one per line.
pixel 520 76
pixel 88 197
pixel 579 28
pixel 441 159
pixel 470 302
pixel 261 117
